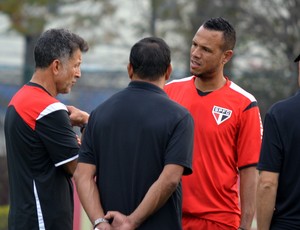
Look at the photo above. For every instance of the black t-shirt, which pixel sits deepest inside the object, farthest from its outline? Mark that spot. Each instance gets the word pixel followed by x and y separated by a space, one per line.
pixel 130 138
pixel 280 153
pixel 39 139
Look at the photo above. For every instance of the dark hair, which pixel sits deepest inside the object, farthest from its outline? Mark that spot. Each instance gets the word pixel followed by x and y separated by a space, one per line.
pixel 220 24
pixel 57 44
pixel 150 58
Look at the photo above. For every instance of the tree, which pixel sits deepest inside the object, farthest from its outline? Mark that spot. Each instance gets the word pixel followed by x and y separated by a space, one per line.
pixel 29 25
pixel 271 27
pixel 276 25
pixel 30 17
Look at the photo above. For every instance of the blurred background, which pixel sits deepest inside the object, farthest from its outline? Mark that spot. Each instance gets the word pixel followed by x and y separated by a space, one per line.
pixel 268 40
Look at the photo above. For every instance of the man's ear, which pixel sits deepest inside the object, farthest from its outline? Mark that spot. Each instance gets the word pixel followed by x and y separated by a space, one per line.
pixel 55 66
pixel 227 56
pixel 130 70
pixel 168 72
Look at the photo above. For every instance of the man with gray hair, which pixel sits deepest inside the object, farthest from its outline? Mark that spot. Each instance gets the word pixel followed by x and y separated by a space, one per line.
pixel 42 148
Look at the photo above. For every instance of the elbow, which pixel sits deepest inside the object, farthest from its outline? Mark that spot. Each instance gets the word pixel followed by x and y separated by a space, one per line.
pixel 267 185
pixel 267 181
pixel 173 184
pixel 170 177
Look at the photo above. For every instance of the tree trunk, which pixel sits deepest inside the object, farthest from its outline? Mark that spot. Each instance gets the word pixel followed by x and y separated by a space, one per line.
pixel 153 17
pixel 29 63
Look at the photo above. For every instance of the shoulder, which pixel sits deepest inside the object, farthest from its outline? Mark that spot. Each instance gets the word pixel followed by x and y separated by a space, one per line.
pixel 52 107
pixel 46 104
pixel 179 81
pixel 174 110
pixel 241 92
pixel 285 105
pixel 34 102
pixel 175 105
pixel 178 87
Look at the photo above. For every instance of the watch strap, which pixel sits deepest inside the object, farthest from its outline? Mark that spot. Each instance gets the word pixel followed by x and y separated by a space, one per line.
pixel 100 220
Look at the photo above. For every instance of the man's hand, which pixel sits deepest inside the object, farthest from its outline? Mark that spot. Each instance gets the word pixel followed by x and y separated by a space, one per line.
pixel 120 221
pixel 78 140
pixel 77 116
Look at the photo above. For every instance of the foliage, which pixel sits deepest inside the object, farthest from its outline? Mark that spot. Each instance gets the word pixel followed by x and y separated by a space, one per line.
pixel 275 24
pixel 30 17
pixel 272 29
pixel 27 17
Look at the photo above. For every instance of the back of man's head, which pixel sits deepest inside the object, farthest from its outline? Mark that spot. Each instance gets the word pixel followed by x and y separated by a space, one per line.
pixel 57 44
pixel 150 58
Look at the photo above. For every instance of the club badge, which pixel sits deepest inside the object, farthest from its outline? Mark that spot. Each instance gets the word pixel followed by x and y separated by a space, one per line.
pixel 221 114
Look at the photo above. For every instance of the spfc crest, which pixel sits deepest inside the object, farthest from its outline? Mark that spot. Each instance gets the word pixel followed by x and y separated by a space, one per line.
pixel 221 114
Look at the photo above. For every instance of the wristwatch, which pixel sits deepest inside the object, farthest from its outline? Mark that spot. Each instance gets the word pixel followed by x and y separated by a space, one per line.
pixel 98 221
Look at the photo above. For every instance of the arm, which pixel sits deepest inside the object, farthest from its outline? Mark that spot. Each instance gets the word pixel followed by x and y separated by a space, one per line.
pixel 88 193
pixel 70 167
pixel 248 182
pixel 249 145
pixel 155 198
pixel 266 196
pixel 78 118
